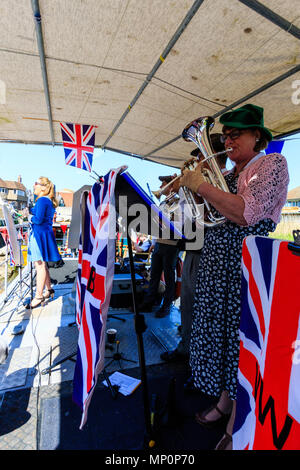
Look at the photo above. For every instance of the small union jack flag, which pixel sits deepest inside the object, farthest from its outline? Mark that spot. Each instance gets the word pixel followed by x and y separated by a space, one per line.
pixel 78 142
pixel 268 393
pixel 93 286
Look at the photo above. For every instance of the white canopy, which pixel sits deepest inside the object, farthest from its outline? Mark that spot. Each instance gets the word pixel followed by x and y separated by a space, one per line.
pixel 140 70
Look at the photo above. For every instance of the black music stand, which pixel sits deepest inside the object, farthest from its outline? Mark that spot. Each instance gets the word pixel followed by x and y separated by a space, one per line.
pixel 118 356
pixel 126 185
pixel 140 328
pixel 71 357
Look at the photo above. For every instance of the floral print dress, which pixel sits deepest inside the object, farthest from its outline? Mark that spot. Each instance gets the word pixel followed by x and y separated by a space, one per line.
pixel 214 348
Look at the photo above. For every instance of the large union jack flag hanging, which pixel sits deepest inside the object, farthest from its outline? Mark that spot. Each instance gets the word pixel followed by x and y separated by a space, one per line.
pixel 78 142
pixel 268 395
pixel 93 286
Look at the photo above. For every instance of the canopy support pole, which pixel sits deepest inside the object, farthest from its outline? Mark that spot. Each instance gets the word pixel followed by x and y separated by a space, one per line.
pixel 191 13
pixel 259 90
pixel 40 43
pixel 270 15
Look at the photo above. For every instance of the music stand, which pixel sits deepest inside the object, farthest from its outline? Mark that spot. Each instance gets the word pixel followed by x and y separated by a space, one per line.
pixel 117 356
pixel 127 186
pixel 16 251
pixel 71 357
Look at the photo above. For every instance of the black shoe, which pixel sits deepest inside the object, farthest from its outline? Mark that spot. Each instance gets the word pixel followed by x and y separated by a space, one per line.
pixel 163 312
pixel 173 356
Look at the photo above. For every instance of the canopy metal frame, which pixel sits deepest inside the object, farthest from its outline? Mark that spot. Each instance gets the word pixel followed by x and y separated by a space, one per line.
pixel 255 5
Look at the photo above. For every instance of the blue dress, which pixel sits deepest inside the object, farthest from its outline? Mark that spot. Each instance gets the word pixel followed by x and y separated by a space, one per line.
pixel 42 245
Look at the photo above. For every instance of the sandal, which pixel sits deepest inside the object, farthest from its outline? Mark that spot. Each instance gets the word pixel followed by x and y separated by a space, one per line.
pixel 49 293
pixel 37 301
pixel 201 417
pixel 225 442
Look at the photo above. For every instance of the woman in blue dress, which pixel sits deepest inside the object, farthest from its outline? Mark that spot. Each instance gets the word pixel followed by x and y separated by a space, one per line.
pixel 42 245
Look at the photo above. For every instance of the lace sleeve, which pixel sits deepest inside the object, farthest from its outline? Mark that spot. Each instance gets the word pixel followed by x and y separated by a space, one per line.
pixel 266 190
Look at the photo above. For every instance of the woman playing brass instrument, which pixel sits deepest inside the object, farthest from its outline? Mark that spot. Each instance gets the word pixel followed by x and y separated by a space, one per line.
pixel 190 266
pixel 258 187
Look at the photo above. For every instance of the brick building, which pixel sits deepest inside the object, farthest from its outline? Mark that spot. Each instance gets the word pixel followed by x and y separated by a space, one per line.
pixel 65 197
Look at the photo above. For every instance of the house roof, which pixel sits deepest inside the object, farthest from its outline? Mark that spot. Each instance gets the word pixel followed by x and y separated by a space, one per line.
pixel 12 185
pixel 141 71
pixel 294 194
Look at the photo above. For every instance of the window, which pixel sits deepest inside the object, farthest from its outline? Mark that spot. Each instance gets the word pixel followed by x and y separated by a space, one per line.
pixel 293 203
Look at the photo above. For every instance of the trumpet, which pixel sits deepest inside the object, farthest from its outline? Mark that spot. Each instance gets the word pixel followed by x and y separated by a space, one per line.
pixel 171 200
pixel 160 192
pixel 186 166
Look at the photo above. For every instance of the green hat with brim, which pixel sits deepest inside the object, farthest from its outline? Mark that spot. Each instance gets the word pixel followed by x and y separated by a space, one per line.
pixel 246 117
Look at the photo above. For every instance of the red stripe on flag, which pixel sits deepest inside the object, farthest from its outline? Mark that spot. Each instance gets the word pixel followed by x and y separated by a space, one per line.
pixel 85 270
pixel 86 160
pixel 99 287
pixel 88 349
pixel 91 128
pixel 67 131
pixel 93 230
pixel 78 146
pixel 254 292
pixel 104 216
pixel 283 330
pixel 70 157
pixel 247 364
pixel 75 146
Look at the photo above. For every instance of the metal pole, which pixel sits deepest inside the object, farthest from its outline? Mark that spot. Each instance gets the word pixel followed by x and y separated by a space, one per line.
pixel 6 270
pixel 259 90
pixel 140 327
pixel 270 15
pixel 191 13
pixel 40 43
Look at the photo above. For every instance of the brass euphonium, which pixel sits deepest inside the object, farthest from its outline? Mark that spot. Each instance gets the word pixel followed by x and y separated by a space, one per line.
pixel 198 132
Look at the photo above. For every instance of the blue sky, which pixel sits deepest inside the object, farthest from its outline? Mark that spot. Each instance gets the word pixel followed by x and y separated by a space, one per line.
pixel 32 161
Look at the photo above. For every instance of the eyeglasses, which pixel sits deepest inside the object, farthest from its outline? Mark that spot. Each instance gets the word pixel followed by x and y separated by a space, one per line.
pixel 233 135
pixel 38 184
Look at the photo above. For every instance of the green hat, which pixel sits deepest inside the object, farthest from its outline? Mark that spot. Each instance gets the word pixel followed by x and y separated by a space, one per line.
pixel 246 117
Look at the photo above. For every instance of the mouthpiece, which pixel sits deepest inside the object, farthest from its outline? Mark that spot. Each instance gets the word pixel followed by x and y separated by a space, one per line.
pixel 217 154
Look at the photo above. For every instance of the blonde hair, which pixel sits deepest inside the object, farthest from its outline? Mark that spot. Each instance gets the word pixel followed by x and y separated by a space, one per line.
pixel 48 189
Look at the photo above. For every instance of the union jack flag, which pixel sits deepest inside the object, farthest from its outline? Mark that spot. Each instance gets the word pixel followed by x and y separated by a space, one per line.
pixel 78 142
pixel 268 394
pixel 93 286
pixel 12 260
